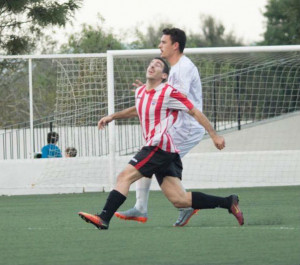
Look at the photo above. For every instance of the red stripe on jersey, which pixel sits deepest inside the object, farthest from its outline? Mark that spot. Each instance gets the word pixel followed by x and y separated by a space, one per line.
pixel 183 99
pixel 168 147
pixel 141 89
pixel 141 95
pixel 147 115
pixel 161 142
pixel 146 159
pixel 175 115
pixel 159 103
pixel 167 112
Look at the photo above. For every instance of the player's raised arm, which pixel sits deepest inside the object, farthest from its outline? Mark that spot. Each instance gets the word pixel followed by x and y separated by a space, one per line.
pixel 218 140
pixel 137 83
pixel 123 114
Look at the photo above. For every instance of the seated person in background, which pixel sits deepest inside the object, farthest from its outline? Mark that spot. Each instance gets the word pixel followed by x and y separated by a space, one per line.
pixel 70 152
pixel 51 149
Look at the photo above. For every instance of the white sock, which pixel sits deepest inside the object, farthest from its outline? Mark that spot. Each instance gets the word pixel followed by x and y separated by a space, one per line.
pixel 142 194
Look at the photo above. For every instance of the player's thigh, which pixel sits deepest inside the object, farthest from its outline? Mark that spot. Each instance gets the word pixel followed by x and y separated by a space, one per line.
pixel 129 174
pixel 175 192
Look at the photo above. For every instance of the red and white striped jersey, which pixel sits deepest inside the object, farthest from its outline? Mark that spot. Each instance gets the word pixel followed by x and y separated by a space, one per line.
pixel 158 111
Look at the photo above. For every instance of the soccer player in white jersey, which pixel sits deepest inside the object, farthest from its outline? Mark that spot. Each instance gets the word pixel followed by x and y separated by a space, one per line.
pixel 187 133
pixel 158 106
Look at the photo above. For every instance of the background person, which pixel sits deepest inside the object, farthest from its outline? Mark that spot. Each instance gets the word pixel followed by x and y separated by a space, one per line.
pixel 70 152
pixel 51 150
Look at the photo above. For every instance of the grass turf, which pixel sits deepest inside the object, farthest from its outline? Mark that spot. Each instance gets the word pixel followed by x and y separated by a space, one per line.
pixel 47 230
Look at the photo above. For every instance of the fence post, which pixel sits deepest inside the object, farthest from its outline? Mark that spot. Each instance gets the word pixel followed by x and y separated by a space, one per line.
pixel 111 110
pixel 215 106
pixel 238 91
pixel 31 108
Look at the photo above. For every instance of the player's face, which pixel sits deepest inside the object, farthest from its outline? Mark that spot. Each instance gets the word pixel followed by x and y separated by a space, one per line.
pixel 166 47
pixel 155 70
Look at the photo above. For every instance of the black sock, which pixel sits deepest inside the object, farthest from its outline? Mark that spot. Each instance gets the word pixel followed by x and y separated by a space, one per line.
pixel 204 201
pixel 114 200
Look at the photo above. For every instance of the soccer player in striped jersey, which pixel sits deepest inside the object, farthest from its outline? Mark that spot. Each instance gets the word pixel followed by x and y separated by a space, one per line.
pixel 187 132
pixel 158 106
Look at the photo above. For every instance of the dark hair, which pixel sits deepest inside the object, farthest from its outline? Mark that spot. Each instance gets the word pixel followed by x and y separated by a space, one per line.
pixel 177 35
pixel 166 69
pixel 52 137
pixel 37 155
pixel 71 151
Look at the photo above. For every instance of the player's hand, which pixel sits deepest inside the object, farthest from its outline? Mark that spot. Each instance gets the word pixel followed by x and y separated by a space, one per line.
pixel 104 121
pixel 137 83
pixel 219 142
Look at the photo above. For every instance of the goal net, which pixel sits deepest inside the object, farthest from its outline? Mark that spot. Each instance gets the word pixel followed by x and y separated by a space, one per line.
pixel 251 95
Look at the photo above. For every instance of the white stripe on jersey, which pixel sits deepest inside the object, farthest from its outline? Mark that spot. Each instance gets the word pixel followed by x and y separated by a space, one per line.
pixel 158 110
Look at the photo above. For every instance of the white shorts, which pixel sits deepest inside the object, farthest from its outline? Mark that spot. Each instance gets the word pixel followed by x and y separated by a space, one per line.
pixel 185 139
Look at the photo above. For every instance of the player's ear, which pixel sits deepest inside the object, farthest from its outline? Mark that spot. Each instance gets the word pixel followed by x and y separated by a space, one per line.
pixel 164 76
pixel 176 45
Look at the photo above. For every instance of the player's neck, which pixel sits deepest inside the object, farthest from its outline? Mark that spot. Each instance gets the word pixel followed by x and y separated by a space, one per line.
pixel 174 58
pixel 152 84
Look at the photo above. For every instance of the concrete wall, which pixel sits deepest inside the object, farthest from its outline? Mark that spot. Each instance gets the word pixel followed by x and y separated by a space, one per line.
pixel 264 155
pixel 202 170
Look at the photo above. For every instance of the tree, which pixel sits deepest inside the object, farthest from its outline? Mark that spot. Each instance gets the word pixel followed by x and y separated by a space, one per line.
pixel 212 35
pixel 283 22
pixel 92 40
pixel 150 40
pixel 22 22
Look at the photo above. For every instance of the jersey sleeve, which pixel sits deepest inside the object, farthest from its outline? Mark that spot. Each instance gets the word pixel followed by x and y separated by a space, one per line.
pixel 178 101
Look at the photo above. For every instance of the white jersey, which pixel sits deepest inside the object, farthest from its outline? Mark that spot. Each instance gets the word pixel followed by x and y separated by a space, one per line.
pixel 186 132
pixel 158 110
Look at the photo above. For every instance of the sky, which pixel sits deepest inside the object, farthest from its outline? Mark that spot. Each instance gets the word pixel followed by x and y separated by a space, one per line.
pixel 243 17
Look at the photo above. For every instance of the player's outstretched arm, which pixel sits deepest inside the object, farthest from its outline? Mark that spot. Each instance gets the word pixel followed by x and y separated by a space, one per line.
pixel 123 114
pixel 137 83
pixel 218 140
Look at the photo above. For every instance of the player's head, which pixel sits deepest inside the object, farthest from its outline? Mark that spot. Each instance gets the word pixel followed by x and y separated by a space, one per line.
pixel 173 40
pixel 158 69
pixel 52 138
pixel 71 152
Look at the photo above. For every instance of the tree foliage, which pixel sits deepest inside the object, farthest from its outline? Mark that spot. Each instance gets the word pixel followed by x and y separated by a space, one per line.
pixel 283 22
pixel 92 39
pixel 212 34
pixel 22 21
pixel 150 39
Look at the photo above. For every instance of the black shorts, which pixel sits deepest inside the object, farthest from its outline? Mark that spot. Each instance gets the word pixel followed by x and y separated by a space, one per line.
pixel 152 160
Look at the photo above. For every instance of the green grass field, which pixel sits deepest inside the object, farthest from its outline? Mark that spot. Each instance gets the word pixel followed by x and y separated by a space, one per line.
pixel 47 230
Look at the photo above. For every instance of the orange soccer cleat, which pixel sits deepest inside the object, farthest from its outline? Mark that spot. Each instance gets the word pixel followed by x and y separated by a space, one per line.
pixel 93 219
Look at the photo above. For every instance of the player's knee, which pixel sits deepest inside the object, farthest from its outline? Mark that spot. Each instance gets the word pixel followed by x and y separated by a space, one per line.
pixel 126 176
pixel 123 177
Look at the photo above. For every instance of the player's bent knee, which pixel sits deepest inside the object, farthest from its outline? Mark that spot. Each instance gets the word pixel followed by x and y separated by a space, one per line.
pixel 128 176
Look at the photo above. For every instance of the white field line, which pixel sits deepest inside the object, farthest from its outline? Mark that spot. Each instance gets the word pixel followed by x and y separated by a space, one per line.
pixel 280 228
